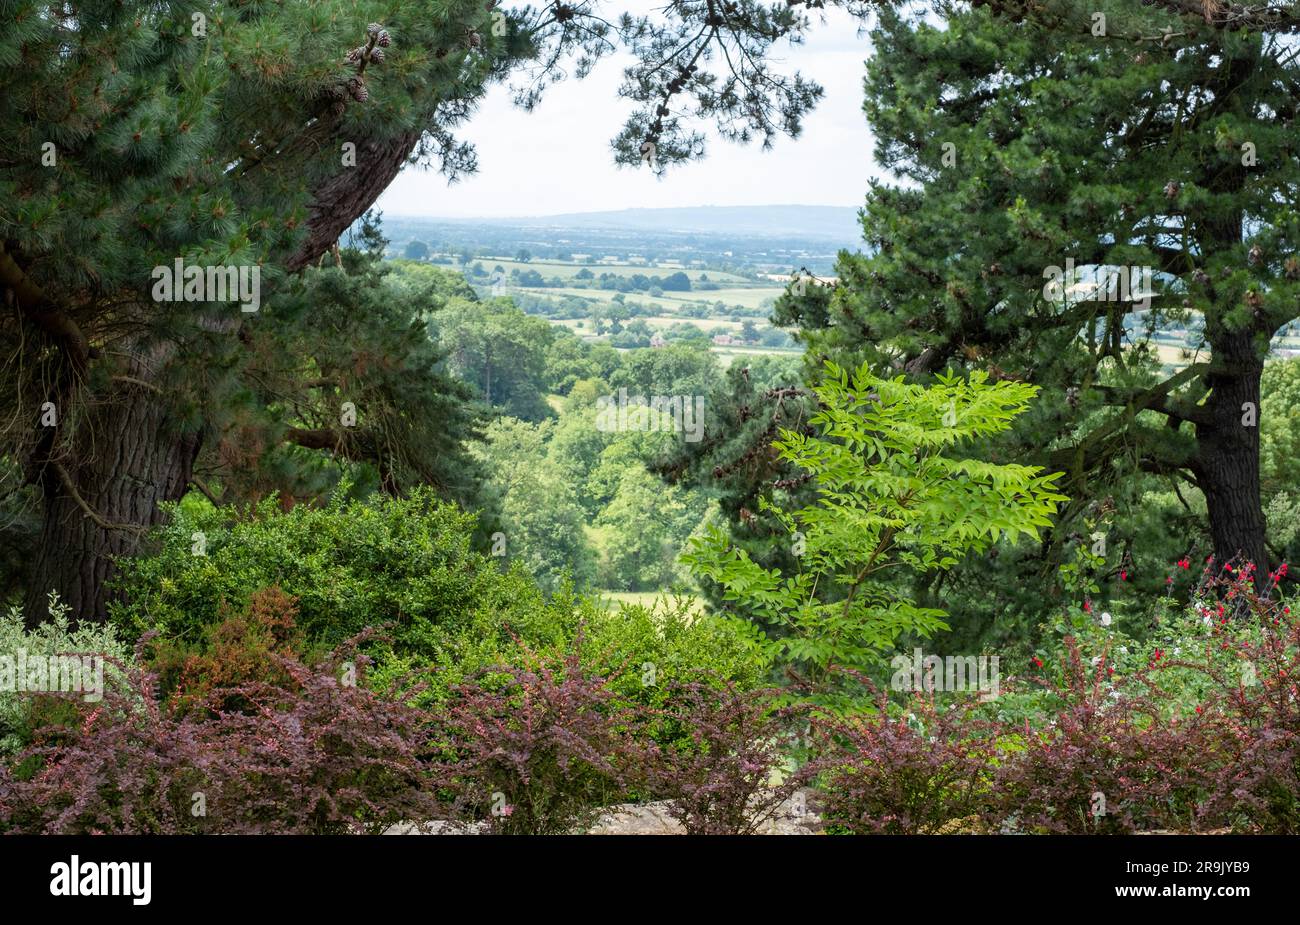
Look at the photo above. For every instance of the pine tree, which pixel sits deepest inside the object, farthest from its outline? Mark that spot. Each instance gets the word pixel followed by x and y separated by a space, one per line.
pixel 251 136
pixel 1025 136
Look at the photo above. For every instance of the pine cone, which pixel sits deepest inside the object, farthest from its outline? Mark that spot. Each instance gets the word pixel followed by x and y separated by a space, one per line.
pixel 375 28
pixel 475 40
pixel 357 87
pixel 384 39
pixel 1255 255
pixel 377 55
pixel 355 55
pixel 1171 189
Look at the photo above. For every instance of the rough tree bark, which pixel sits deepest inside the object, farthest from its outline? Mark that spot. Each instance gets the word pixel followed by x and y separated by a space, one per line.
pixel 1227 460
pixel 127 454
pixel 127 457
pixel 343 198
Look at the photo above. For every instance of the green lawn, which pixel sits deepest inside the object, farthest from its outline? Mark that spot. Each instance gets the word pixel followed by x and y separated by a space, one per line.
pixel 649 599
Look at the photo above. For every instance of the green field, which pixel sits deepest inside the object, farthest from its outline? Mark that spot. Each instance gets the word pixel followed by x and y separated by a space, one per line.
pixel 751 297
pixel 566 270
pixel 612 599
pixel 728 355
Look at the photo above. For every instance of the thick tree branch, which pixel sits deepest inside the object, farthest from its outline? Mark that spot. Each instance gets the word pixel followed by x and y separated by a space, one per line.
pixel 37 308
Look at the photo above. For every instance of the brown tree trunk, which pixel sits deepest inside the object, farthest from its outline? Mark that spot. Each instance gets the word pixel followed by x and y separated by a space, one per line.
pixel 1227 461
pixel 341 199
pixel 127 456
pixel 127 459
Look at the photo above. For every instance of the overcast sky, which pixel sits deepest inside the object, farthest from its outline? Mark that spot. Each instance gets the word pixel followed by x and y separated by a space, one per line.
pixel 558 159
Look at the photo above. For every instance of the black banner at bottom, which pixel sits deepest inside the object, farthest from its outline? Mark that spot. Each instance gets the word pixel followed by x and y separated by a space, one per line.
pixel 335 875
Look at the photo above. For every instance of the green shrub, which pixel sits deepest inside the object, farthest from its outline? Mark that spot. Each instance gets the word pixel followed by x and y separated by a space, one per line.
pixel 351 564
pixel 21 712
pixel 406 565
pixel 645 651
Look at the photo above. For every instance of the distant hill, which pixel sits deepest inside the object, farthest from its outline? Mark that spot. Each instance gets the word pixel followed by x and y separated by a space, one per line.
pixel 831 223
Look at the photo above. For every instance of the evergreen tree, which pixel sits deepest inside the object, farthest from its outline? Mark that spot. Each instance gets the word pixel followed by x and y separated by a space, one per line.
pixel 251 136
pixel 1028 137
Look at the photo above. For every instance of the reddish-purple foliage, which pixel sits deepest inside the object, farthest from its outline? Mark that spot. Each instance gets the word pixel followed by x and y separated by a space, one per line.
pixel 1106 762
pixel 314 755
pixel 922 773
pixel 718 775
pixel 1256 745
pixel 535 749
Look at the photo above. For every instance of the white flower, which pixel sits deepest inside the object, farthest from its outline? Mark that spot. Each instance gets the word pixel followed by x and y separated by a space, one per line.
pixel 1105 619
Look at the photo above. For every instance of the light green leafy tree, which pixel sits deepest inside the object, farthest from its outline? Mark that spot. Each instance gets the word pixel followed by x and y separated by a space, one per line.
pixel 1279 456
pixel 541 520
pixel 893 495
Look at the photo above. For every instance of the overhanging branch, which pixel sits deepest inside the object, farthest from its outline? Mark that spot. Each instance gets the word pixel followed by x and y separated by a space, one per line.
pixel 37 308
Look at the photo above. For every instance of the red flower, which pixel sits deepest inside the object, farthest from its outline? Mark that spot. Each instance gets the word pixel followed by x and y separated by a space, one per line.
pixel 1183 563
pixel 1038 662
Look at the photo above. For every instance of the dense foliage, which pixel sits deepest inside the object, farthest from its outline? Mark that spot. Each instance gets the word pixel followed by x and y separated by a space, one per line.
pixel 891 496
pixel 386 547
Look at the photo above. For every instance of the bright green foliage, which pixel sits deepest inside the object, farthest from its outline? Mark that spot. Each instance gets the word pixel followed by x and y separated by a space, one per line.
pixel 892 498
pixel 540 520
pixel 351 565
pixel 408 564
pixel 645 650
pixel 1279 456
pixel 1279 425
